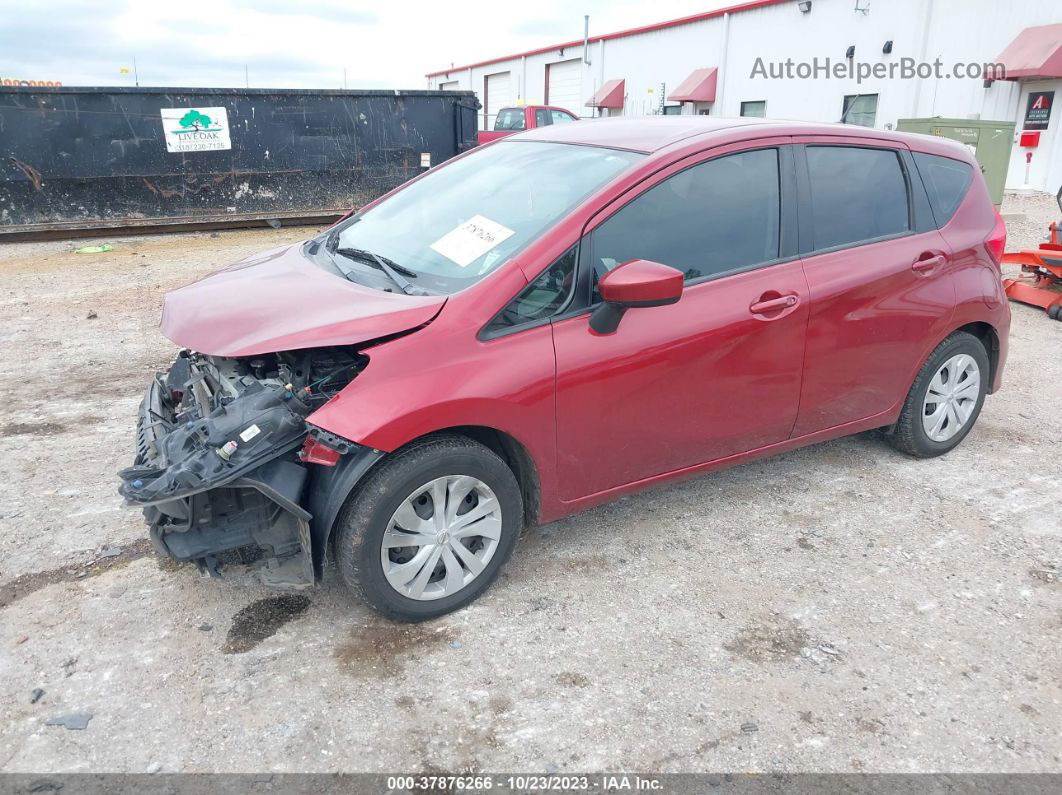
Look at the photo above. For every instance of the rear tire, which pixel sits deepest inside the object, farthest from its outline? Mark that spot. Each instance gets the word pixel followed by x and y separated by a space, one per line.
pixel 429 576
pixel 945 399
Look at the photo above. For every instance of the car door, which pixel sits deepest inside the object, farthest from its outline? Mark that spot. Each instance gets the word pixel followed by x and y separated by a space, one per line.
pixel 717 373
pixel 878 272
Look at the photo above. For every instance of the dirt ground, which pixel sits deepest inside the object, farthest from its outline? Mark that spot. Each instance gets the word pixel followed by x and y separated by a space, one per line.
pixel 838 608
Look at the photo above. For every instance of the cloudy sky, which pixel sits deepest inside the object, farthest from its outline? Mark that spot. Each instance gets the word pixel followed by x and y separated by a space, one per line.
pixel 291 43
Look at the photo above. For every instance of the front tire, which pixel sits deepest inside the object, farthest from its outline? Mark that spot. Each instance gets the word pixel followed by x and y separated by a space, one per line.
pixel 430 528
pixel 945 399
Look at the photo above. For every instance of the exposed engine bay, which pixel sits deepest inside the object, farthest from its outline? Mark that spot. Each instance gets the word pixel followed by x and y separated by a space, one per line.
pixel 222 453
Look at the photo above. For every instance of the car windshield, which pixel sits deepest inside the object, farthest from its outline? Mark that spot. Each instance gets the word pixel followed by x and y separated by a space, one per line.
pixel 459 223
pixel 510 119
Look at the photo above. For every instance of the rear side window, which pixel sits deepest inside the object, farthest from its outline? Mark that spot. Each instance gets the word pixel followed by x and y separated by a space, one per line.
pixel 857 195
pixel 946 180
pixel 542 118
pixel 716 217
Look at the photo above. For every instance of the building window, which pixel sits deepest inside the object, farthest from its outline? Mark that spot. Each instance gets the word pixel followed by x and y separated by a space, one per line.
pixel 673 110
pixel 757 109
pixel 860 109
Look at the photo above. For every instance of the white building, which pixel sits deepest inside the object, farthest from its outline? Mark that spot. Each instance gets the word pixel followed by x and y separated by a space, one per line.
pixel 720 62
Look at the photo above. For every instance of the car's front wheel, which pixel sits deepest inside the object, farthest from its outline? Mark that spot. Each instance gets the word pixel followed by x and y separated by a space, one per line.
pixel 945 399
pixel 430 528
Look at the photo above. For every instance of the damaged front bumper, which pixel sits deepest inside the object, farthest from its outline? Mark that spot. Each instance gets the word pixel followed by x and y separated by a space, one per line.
pixel 220 470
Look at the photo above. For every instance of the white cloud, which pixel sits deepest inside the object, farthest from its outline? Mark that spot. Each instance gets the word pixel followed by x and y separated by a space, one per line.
pixel 291 44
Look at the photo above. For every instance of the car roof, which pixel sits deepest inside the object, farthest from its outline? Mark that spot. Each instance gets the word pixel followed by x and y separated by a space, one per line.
pixel 653 133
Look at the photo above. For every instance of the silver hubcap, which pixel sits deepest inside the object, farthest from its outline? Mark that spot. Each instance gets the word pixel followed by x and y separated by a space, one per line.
pixel 441 538
pixel 951 397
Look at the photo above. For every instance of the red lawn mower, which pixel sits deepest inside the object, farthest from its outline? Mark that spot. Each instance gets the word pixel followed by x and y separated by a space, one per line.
pixel 1040 283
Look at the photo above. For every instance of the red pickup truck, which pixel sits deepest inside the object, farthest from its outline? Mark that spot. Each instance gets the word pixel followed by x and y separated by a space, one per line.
pixel 514 120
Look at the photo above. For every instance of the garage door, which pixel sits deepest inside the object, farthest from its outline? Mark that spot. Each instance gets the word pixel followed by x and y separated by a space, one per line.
pixel 564 85
pixel 453 85
pixel 496 95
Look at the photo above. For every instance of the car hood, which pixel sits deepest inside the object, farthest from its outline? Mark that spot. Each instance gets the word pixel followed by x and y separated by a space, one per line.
pixel 279 301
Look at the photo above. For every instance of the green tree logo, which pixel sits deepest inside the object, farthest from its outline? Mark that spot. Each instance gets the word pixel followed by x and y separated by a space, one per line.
pixel 195 120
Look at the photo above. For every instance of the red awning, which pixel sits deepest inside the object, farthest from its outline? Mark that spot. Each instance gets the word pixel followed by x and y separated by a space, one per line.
pixel 698 87
pixel 610 95
pixel 1036 52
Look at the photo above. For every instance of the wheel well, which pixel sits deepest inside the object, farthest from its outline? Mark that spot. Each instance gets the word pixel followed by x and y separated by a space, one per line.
pixel 515 455
pixel 989 338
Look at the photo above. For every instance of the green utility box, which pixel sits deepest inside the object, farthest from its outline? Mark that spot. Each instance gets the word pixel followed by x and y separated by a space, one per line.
pixel 990 141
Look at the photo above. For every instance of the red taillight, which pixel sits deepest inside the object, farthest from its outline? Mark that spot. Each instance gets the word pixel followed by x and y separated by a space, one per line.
pixel 996 242
pixel 316 452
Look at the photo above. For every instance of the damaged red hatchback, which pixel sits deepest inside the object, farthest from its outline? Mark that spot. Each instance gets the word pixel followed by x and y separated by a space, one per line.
pixel 554 320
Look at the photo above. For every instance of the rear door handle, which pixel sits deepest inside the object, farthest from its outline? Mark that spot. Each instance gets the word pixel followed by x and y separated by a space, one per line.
pixel 927 264
pixel 774 304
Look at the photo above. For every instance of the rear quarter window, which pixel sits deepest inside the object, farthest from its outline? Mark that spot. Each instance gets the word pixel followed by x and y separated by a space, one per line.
pixel 946 181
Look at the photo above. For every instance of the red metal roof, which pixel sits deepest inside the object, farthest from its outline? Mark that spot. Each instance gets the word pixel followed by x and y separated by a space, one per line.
pixel 610 95
pixel 671 23
pixel 1036 52
pixel 698 87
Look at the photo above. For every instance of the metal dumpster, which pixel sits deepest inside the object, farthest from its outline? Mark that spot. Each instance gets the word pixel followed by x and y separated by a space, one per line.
pixel 82 159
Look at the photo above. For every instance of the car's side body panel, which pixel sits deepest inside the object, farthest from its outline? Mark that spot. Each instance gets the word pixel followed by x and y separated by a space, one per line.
pixel 871 312
pixel 446 376
pixel 681 385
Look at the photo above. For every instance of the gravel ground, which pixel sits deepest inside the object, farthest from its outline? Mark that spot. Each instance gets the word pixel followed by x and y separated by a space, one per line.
pixel 838 608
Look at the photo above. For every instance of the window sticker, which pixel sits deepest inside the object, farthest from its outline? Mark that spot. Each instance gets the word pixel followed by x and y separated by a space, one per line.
pixel 471 240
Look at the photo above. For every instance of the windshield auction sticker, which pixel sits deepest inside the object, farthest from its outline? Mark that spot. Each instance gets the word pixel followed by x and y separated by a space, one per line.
pixel 471 240
pixel 196 129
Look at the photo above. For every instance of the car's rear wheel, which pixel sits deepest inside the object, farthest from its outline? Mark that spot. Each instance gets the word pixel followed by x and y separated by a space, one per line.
pixel 945 399
pixel 430 528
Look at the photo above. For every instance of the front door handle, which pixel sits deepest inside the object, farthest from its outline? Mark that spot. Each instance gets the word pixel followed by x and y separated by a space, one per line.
pixel 927 264
pixel 774 304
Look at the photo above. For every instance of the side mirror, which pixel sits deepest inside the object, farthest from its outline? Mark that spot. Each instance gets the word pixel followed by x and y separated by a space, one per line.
pixel 637 283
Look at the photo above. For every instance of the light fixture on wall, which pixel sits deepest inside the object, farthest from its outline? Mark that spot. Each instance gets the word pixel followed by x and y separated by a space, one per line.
pixel 850 52
pixel 888 47
pixel 804 6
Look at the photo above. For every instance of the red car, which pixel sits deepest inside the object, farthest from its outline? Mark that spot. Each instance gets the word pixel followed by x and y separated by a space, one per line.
pixel 510 121
pixel 557 319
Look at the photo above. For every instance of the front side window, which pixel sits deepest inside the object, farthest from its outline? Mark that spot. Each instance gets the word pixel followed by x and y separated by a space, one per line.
pixel 510 119
pixel 857 194
pixel 454 225
pixel 542 118
pixel 754 109
pixel 713 218
pixel 860 109
pixel 542 298
pixel 560 117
